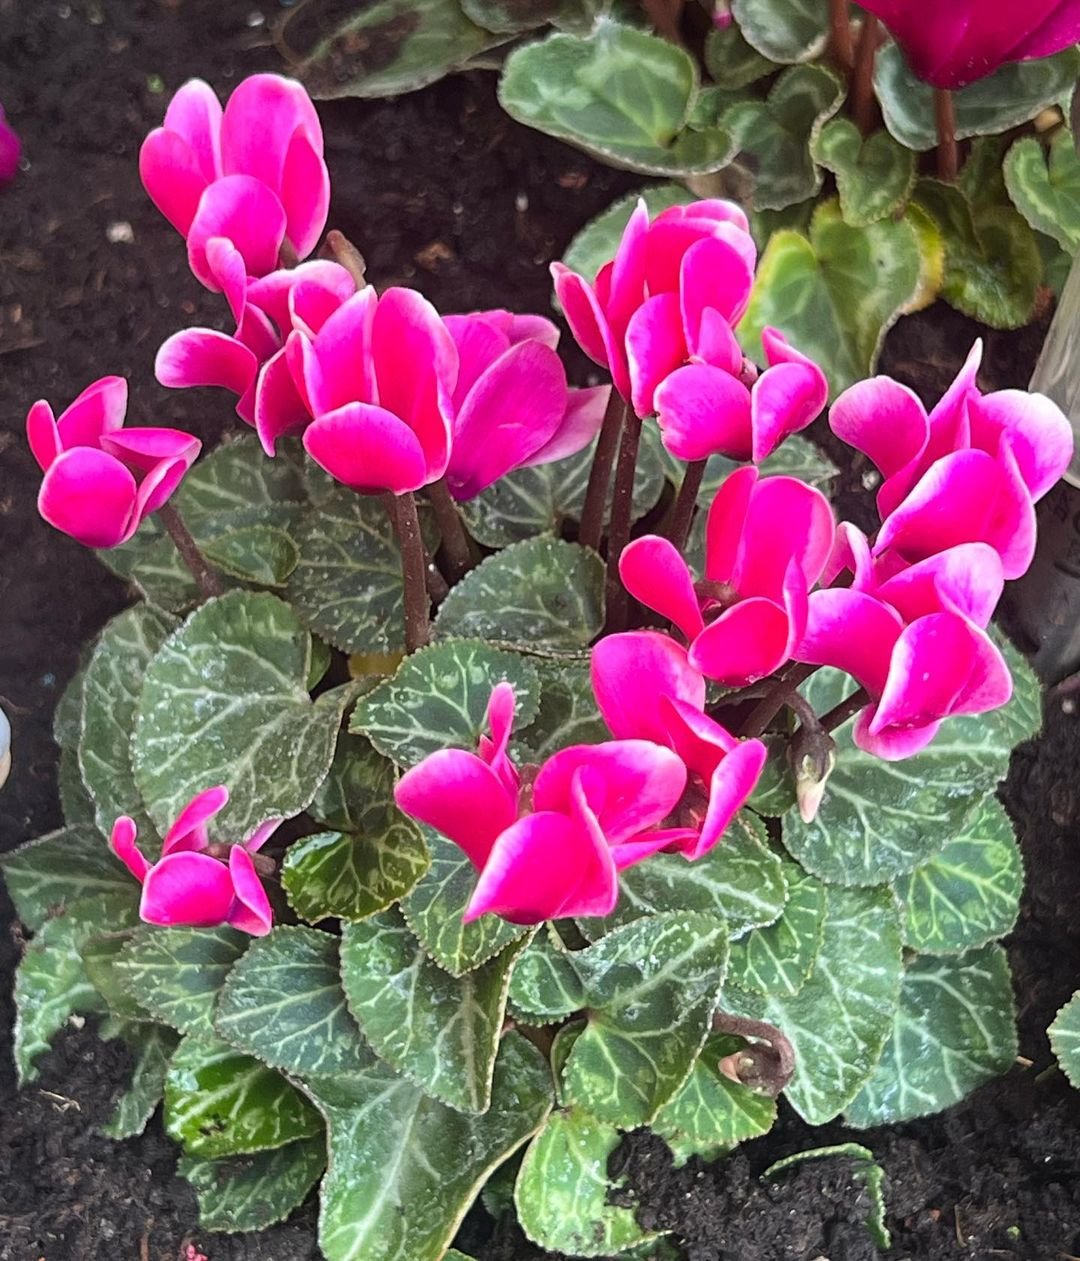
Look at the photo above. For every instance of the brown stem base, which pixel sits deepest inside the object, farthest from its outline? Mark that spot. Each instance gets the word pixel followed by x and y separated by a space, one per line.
pixel 457 550
pixel 401 510
pixel 591 529
pixel 840 44
pixel 206 578
pixel 622 513
pixel 766 1069
pixel 948 153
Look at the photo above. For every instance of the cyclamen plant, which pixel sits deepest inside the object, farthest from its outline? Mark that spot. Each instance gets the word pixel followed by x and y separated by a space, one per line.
pixel 684 800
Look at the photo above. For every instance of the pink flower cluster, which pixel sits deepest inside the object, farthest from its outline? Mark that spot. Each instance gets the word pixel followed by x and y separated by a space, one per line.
pixel 660 316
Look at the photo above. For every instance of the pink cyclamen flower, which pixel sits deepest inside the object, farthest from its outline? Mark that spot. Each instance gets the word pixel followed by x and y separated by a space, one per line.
pixel 102 481
pixel 511 405
pixel 767 541
pixel 971 471
pixel 646 688
pixel 550 843
pixel 916 674
pixel 189 887
pixel 952 45
pixel 253 173
pixel 10 151
pixel 379 377
pixel 251 362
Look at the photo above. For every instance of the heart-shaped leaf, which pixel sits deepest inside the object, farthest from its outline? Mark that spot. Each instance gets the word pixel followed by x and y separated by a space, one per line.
pixel 47 875
pixel 731 61
pixel 620 93
pixel 1045 187
pixel 778 958
pixel 874 176
pixel 954 1029
pixel 546 983
pixel 784 30
pixel 567 713
pixel 153 1046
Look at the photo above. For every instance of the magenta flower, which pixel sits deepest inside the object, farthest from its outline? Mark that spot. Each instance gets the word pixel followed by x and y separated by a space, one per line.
pixel 379 378
pixel 969 472
pixel 253 174
pixel 951 45
pixel 767 541
pixel 10 151
pixel 551 842
pixel 511 405
pixel 190 887
pixel 646 688
pixel 251 362
pixel 101 482
pixel 917 675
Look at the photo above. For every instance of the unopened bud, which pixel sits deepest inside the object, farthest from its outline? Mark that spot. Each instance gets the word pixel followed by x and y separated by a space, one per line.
pixel 812 755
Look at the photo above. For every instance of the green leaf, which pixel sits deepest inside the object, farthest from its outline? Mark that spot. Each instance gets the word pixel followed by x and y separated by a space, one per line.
pixel 153 1046
pixel 778 958
pixel 438 699
pixel 1065 1039
pixel 404 1169
pixel 176 973
pixel 621 94
pixel 784 30
pixel 546 984
pixel 376 857
pixel 534 501
pixel 47 875
pixel 865 1171
pixel 263 554
pixel 283 1003
pixel 435 907
pixel 383 48
pixel 732 63
pixel 440 1031
pixel 598 240
pixel 739 879
pixel 969 893
pixel 76 804
pixel 221 1103
pixel 99 955
pixel 777 134
pixel 839 1021
pixel 51 982
pixel 511 17
pixel 253 1192
pixel 111 689
pixel 1010 96
pixel 955 1028
pixel 67 717
pixel 651 987
pixel 542 593
pixel 883 819
pixel 347 580
pixel 992 261
pixel 225 701
pixel 711 1113
pixel 874 175
pixel 1045 186
pixel 567 714
pixel 835 294
pixel 562 1192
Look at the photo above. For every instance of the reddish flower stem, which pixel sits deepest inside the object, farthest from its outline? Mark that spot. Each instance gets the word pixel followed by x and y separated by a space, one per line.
pixel 948 153
pixel 863 101
pixel 401 509
pixel 622 512
pixel 776 698
pixel 343 252
pixel 840 43
pixel 682 513
pixel 848 708
pixel 457 550
pixel 591 529
pixel 206 578
pixel 666 16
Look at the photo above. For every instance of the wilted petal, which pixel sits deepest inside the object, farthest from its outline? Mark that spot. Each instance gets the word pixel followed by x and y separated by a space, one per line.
pixel 653 571
pixel 632 672
pixel 89 495
pixel 250 912
pixel 367 448
pixel 187 889
pixel 704 411
pixel 189 832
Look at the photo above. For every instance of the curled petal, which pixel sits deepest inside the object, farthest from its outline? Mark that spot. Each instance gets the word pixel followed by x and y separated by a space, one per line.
pixel 704 411
pixel 245 212
pixel 589 324
pixel 632 672
pixel 187 889
pixel 884 420
pixel 786 398
pixel 157 488
pixel 261 835
pixel 279 408
pixel 745 643
pixel 122 843
pixel 98 410
pixel 189 832
pixel 580 424
pixel 966 579
pixel 654 572
pixel 305 193
pixel 91 496
pixel 1037 431
pixel 367 448
pixel 655 347
pixel 729 790
pixel 250 912
pixel 850 553
pixel 699 740
pixel 892 744
pixel 226 265
pixel 145 448
pixel 203 356
pixel 462 797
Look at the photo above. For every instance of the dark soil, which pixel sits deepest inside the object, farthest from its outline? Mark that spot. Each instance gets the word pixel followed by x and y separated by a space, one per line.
pixel 439 190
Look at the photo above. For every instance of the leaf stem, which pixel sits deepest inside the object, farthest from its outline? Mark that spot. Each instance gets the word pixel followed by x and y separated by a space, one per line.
pixel 682 513
pixel 591 529
pixel 622 512
pixel 457 549
pixel 948 154
pixel 206 577
pixel 848 708
pixel 767 1069
pixel 776 698
pixel 401 509
pixel 863 103
pixel 840 42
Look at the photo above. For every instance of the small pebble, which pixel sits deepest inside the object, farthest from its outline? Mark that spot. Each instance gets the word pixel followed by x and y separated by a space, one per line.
pixel 120 232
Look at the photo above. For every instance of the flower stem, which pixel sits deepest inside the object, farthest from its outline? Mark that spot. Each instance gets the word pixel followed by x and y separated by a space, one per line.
pixel 206 578
pixel 401 509
pixel 456 547
pixel 622 512
pixel 862 78
pixel 682 514
pixel 591 529
pixel 666 16
pixel 840 43
pixel 776 698
pixel 343 252
pixel 948 154
pixel 767 1069
pixel 848 708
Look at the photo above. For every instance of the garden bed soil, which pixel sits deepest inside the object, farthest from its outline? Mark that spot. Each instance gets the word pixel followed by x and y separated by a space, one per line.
pixel 441 191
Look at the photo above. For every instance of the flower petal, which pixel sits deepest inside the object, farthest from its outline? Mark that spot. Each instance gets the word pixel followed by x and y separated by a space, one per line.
pixel 459 795
pixel 304 193
pixel 279 409
pixel 245 212
pixel 884 420
pixel 189 832
pixel 745 643
pixel 653 571
pixel 704 411
pixel 261 117
pixel 42 434
pixel 726 524
pixel 172 176
pixel 786 397
pixel 89 495
pixel 729 790
pixel 340 367
pixel 714 274
pixel 194 114
pixel 655 347
pixel 632 672
pixel 852 631
pixel 250 912
pixel 580 424
pixel 99 409
pixel 1037 431
pixel 203 356
pixel 966 579
pixel 589 324
pixel 189 890
pixel 367 448
pixel 122 844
